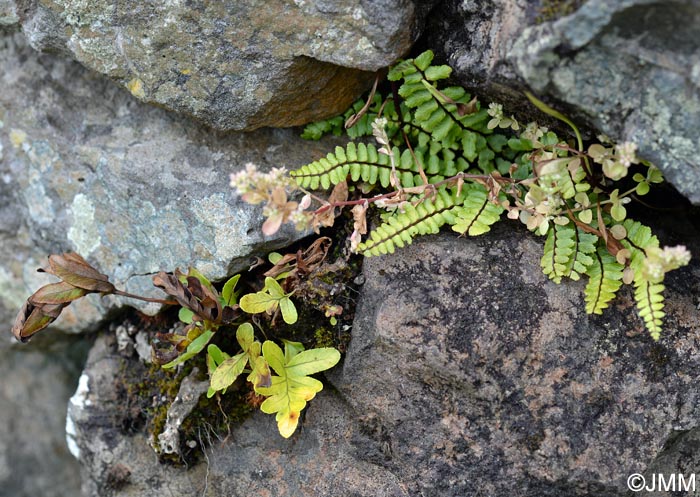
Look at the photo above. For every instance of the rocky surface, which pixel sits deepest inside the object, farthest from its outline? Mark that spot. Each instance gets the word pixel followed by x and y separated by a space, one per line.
pixel 232 64
pixel 132 188
pixel 630 68
pixel 36 384
pixel 468 373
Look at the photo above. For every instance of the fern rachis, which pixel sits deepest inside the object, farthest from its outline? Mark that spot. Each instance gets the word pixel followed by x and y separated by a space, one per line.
pixel 453 163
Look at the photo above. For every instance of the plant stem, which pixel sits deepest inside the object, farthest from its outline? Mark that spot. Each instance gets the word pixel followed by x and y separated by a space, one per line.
pixel 145 299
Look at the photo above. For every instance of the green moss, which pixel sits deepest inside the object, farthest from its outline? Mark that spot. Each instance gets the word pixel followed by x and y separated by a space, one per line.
pixel 551 10
pixel 323 337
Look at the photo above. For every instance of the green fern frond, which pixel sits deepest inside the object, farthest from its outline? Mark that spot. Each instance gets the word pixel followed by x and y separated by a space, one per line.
pixel 556 177
pixel 477 213
pixel 647 294
pixel 567 252
pixel 356 160
pixel 605 279
pixel 318 129
pixel 638 239
pixel 436 111
pixel 360 161
pixel 650 303
pixel 585 248
pixel 424 218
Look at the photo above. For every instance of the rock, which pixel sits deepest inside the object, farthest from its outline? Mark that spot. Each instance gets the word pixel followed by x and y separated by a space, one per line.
pixel 233 65
pixel 132 188
pixel 36 384
pixel 8 13
pixel 186 401
pixel 483 376
pixel 468 373
pixel 252 460
pixel 629 68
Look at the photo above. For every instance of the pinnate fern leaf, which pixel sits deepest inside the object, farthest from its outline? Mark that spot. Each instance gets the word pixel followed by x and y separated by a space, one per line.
pixel 567 252
pixel 358 160
pixel 426 217
pixel 605 279
pixel 477 213
pixel 650 303
pixel 638 239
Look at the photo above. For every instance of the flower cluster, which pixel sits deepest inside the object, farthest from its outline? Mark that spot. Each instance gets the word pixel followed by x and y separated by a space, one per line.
pixel 615 160
pixel 660 261
pixel 273 189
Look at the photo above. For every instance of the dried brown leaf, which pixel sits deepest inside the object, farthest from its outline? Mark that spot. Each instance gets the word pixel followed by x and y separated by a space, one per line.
pixel 73 269
pixel 359 216
pixel 33 318
pixel 171 284
pixel 326 217
pixel 468 108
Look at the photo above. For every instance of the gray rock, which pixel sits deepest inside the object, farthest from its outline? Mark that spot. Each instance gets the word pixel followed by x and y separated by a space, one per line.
pixel 630 68
pixel 186 401
pixel 8 13
pixel 251 459
pixel 132 188
pixel 468 373
pixel 36 384
pixel 633 69
pixel 234 64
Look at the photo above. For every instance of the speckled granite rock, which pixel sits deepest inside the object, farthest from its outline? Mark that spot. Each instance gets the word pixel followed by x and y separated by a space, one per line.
pixel 233 64
pixel 468 373
pixel 133 188
pixel 630 68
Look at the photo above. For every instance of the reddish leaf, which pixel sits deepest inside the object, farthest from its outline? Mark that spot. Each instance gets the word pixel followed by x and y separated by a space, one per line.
pixel 73 269
pixel 272 224
pixel 32 319
pixel 171 284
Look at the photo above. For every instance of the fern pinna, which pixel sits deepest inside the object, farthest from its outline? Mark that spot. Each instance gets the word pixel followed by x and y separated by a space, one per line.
pixel 441 159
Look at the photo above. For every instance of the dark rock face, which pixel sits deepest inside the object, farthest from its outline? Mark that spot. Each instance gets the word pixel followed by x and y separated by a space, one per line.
pixel 508 381
pixel 234 65
pixel 468 373
pixel 36 385
pixel 629 68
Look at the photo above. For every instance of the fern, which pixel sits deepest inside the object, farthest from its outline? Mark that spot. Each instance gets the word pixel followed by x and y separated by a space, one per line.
pixel 477 213
pixel 427 217
pixel 567 252
pixel 650 303
pixel 605 279
pixel 358 160
pixel 648 294
pixel 638 239
pixel 453 163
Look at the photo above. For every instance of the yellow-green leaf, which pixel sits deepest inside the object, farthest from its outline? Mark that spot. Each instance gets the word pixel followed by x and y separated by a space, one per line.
pixel 193 349
pixel 289 312
pixel 274 288
pixel 292 388
pixel 228 371
pixel 312 361
pixel 185 315
pixel 228 292
pixel 254 303
pixel 245 336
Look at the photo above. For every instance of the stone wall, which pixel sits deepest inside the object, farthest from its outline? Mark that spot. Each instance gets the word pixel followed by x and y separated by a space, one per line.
pixel 467 373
